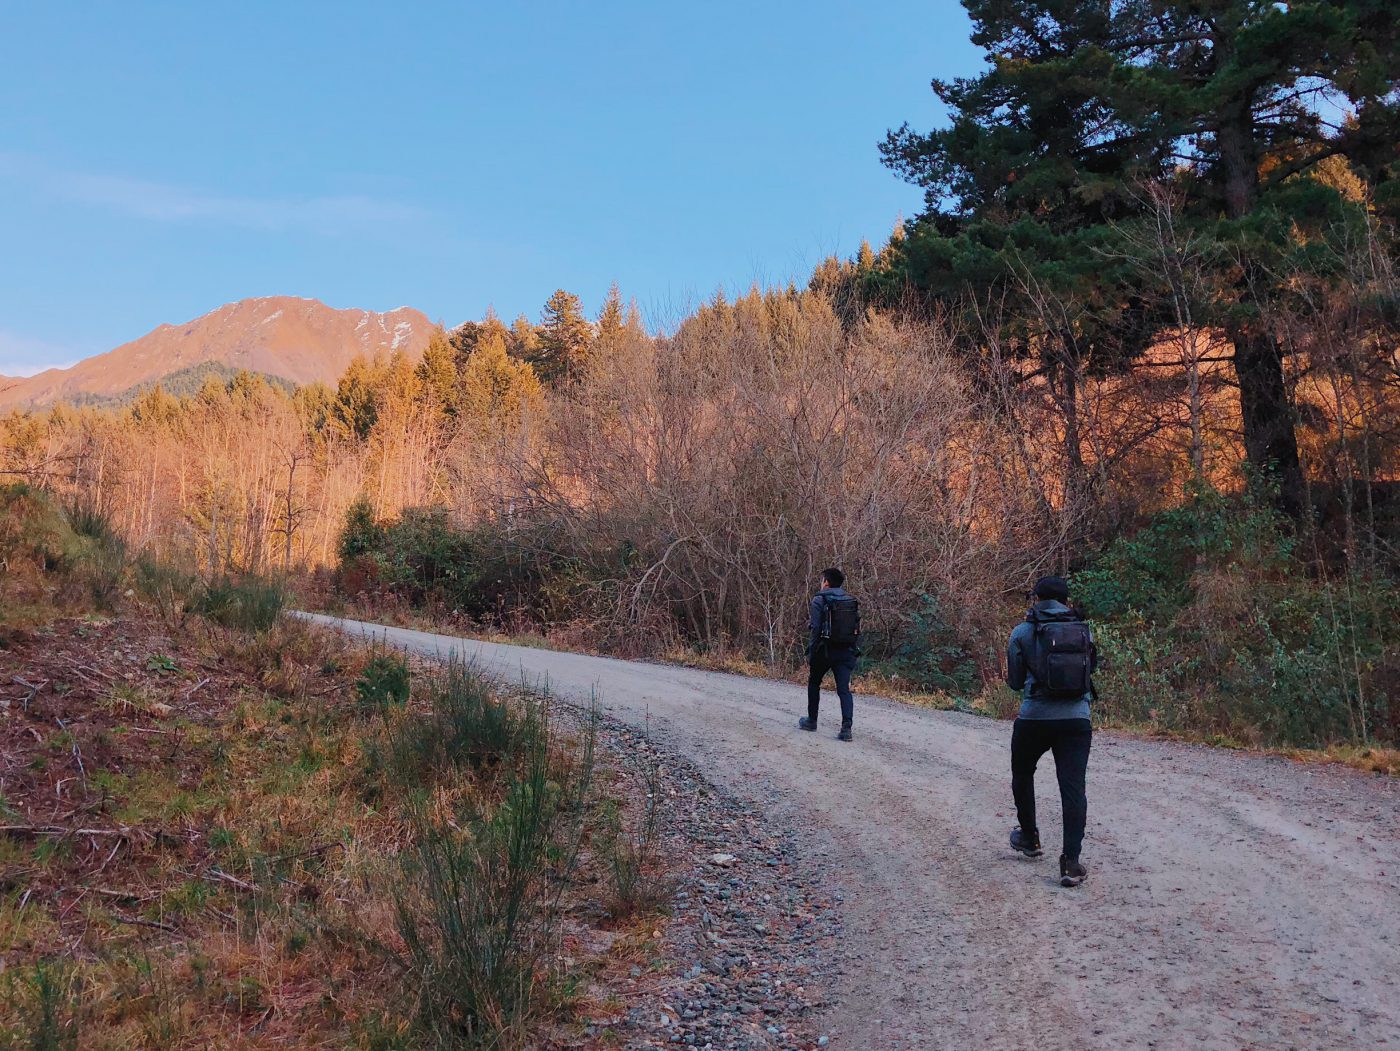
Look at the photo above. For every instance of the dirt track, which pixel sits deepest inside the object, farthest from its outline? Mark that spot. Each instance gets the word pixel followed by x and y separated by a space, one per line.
pixel 1234 900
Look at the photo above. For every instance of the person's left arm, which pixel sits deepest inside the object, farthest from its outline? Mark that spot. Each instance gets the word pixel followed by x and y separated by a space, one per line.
pixel 1016 661
pixel 814 624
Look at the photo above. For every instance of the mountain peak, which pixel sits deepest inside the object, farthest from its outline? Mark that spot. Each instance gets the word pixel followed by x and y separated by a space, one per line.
pixel 293 337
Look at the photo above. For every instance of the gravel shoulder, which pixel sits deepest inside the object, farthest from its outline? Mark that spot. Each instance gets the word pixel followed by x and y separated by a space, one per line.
pixel 743 960
pixel 1234 900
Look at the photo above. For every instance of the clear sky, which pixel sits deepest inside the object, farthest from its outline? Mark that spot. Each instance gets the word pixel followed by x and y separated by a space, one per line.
pixel 158 159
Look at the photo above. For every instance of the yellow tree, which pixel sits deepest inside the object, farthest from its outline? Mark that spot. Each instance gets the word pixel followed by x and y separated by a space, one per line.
pixel 496 390
pixel 437 375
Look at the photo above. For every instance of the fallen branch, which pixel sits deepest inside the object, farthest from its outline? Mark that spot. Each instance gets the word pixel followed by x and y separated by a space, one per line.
pixel 121 895
pixel 59 830
pixel 80 668
pixel 73 904
pixel 77 754
pixel 136 922
pixel 31 687
pixel 221 875
pixel 309 852
pixel 93 683
pixel 115 847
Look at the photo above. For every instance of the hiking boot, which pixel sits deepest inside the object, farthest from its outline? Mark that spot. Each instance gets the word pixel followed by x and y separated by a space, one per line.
pixel 1028 845
pixel 806 724
pixel 1072 873
pixel 845 734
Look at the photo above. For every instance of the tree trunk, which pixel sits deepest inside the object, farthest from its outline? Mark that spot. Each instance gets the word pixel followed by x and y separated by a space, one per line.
pixel 1269 439
pixel 1270 442
pixel 1065 388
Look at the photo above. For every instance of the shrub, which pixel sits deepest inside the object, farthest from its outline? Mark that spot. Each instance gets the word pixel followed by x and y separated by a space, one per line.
pixel 930 653
pixel 1152 571
pixel 637 878
pixel 383 684
pixel 1209 620
pixel 90 522
pixel 362 534
pixel 249 604
pixel 102 556
pixel 167 587
pixel 49 1001
pixel 71 556
pixel 468 726
pixel 479 912
pixel 425 559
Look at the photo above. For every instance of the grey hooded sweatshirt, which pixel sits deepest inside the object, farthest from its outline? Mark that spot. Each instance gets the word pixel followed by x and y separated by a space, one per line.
pixel 1020 677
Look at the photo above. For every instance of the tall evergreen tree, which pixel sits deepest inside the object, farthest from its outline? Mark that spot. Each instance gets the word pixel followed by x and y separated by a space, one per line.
pixel 496 389
pixel 1085 99
pixel 437 374
pixel 612 320
pixel 356 406
pixel 565 337
pixel 523 340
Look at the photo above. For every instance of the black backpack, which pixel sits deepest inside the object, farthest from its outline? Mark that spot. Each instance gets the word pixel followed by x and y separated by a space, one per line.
pixel 1063 661
pixel 841 621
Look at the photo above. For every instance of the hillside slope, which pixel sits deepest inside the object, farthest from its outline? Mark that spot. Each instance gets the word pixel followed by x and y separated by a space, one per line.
pixel 301 340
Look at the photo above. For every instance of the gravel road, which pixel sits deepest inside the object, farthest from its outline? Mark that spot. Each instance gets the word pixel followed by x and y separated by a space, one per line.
pixel 1234 900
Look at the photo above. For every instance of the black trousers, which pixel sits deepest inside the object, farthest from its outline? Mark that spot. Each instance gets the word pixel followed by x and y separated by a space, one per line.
pixel 1069 740
pixel 841 663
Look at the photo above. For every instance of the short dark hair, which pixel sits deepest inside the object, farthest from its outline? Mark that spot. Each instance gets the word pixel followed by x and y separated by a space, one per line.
pixel 1051 587
pixel 834 577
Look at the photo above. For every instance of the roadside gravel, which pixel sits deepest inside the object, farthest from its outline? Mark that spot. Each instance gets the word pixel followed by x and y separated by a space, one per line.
pixel 744 958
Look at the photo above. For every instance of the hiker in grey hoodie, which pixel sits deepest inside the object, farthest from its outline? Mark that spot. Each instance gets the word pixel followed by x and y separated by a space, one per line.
pixel 1050 659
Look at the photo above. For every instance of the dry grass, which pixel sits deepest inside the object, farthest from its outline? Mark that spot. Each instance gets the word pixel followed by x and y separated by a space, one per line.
pixel 188 861
pixel 201 845
pixel 1384 761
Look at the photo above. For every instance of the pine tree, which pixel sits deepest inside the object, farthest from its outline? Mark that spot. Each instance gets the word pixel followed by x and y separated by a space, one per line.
pixel 155 406
pixel 1046 152
pixel 633 320
pixel 611 319
pixel 314 404
pixel 523 340
pixel 565 338
pixel 356 405
pixel 496 389
pixel 437 374
pixel 467 335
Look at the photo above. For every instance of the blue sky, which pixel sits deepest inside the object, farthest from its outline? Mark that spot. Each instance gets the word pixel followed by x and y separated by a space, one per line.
pixel 160 159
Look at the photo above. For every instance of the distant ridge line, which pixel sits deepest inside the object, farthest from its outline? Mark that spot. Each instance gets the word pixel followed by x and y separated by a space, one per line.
pixel 290 338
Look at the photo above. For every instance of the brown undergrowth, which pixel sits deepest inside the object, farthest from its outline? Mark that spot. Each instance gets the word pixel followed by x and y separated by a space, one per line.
pixel 239 837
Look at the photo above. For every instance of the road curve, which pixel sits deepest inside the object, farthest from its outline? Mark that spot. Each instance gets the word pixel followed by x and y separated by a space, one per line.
pixel 1234 900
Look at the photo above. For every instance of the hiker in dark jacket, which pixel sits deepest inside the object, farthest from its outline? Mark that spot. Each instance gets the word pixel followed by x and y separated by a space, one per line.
pixel 1053 720
pixel 836 655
